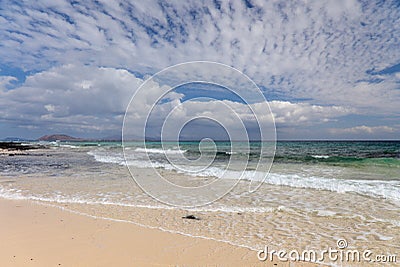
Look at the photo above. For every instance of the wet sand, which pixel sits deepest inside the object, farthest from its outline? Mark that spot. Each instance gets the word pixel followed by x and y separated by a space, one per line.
pixel 33 234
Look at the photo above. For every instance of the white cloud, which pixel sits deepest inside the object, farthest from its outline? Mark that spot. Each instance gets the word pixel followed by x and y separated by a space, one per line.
pixel 364 130
pixel 95 99
pixel 50 108
pixel 5 81
pixel 61 98
pixel 287 113
pixel 231 115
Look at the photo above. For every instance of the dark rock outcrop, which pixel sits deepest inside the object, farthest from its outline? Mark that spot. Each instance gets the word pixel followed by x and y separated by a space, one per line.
pixel 13 146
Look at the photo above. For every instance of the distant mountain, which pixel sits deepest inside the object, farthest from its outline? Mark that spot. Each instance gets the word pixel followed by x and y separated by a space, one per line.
pixel 60 137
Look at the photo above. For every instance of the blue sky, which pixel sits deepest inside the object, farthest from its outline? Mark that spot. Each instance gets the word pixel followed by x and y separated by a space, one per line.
pixel 329 69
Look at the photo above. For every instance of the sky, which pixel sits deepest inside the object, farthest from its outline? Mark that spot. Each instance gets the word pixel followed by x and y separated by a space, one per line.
pixel 328 69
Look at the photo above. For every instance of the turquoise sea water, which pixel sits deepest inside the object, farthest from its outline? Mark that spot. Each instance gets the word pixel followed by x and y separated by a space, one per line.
pixel 380 158
pixel 332 152
pixel 323 162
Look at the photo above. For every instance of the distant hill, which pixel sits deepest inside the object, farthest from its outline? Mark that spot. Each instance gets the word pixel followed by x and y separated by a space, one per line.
pixel 60 137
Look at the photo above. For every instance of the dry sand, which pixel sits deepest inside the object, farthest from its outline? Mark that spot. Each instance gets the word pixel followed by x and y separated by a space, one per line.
pixel 32 234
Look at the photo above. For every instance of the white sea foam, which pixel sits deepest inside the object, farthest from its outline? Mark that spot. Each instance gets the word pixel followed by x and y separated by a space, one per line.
pixel 101 156
pixel 320 156
pixel 159 151
pixel 69 146
pixel 15 194
pixel 375 188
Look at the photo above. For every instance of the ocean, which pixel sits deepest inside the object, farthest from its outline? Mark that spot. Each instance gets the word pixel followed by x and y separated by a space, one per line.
pixel 315 193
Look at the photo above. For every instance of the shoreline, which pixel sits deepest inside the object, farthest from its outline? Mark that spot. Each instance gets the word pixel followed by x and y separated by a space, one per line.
pixel 34 234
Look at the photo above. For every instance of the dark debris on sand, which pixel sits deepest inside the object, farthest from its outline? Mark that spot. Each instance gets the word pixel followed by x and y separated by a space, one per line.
pixel 191 217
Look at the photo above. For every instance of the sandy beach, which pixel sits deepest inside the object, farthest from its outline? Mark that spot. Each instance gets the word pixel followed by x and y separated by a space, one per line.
pixel 33 234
